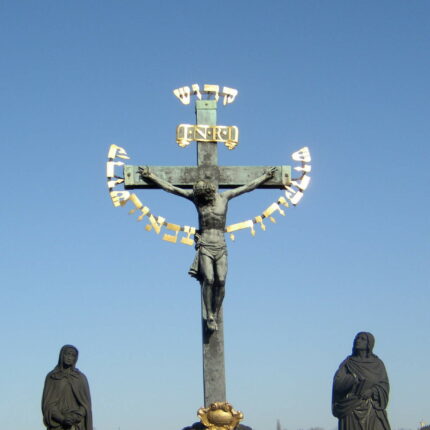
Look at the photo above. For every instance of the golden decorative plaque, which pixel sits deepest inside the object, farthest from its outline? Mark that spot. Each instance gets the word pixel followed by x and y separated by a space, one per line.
pixel 220 416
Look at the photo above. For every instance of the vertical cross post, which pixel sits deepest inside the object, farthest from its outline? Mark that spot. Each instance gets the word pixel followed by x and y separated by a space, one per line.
pixel 213 342
pixel 207 152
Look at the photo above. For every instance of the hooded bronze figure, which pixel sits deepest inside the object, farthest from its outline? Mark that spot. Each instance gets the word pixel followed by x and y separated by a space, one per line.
pixel 66 401
pixel 361 388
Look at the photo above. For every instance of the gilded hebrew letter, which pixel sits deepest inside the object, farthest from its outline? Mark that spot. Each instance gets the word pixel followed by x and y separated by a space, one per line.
pixel 110 168
pixel 117 151
pixel 293 196
pixel 229 95
pixel 119 198
pixel 183 94
pixel 302 155
pixel 169 237
pixel 303 184
pixel 189 231
pixel 212 89
pixel 196 91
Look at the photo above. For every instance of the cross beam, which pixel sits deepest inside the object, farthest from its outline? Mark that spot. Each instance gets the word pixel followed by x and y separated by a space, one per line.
pixel 225 176
pixel 207 165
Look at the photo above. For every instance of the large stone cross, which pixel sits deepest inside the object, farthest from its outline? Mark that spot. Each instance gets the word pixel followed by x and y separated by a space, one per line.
pixel 207 135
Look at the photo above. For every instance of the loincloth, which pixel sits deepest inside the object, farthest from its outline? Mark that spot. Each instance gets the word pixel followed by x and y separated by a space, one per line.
pixel 214 252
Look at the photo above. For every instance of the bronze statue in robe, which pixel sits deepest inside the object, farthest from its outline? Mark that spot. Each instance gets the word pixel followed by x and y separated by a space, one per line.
pixel 66 400
pixel 361 388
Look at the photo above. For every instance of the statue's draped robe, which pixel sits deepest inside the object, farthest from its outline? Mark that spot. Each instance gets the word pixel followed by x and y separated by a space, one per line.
pixel 354 376
pixel 66 391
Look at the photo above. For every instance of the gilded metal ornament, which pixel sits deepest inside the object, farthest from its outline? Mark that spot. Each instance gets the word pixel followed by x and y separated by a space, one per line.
pixel 220 416
pixel 187 133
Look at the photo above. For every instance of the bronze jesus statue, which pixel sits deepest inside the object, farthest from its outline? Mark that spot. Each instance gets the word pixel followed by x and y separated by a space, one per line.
pixel 210 262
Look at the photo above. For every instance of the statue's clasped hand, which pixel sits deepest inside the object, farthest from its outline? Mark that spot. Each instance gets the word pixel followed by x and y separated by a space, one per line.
pixel 367 394
pixel 68 422
pixel 72 418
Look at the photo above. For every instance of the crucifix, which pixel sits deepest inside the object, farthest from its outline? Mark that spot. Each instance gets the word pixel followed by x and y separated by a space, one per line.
pixel 200 184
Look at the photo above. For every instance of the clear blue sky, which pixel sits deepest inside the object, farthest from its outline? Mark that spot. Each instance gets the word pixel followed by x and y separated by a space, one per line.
pixel 348 79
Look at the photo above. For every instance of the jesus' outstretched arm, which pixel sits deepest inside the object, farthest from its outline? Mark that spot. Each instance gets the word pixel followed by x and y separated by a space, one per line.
pixel 250 186
pixel 145 173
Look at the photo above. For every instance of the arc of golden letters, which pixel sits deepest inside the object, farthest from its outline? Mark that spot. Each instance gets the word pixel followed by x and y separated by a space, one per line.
pixel 293 193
